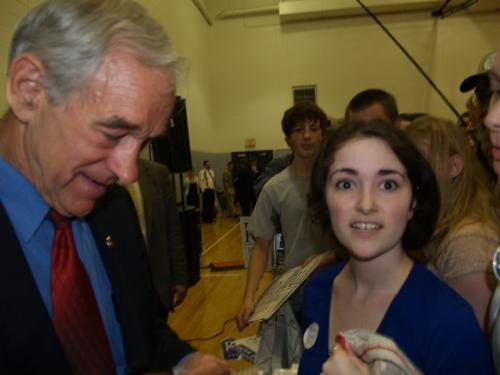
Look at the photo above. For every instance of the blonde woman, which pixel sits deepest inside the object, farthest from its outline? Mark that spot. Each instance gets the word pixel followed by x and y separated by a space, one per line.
pixel 466 234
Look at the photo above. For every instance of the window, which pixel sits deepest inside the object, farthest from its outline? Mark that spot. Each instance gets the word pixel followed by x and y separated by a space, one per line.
pixel 304 93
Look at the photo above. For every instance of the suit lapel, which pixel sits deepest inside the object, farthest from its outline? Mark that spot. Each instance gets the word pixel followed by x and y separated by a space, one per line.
pixel 25 320
pixel 115 228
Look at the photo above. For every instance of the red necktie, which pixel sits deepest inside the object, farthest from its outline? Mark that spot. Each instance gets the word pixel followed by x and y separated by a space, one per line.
pixel 76 317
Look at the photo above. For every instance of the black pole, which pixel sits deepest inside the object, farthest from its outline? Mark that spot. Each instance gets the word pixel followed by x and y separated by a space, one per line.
pixel 412 60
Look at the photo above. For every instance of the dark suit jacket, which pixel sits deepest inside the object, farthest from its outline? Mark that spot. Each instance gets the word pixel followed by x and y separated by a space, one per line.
pixel 28 344
pixel 274 167
pixel 166 253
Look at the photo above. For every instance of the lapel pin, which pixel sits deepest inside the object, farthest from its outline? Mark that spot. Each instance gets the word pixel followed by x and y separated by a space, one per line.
pixel 109 242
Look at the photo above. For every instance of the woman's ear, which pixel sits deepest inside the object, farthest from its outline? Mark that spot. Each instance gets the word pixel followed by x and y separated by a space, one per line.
pixel 412 209
pixel 456 165
pixel 25 89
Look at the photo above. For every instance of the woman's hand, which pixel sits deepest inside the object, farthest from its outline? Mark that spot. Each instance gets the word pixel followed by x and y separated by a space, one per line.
pixel 343 363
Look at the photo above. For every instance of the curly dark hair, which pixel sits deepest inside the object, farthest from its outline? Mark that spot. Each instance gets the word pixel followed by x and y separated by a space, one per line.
pixel 300 112
pixel 425 191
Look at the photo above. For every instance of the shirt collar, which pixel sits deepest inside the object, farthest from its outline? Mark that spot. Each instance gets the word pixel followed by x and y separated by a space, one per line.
pixel 24 205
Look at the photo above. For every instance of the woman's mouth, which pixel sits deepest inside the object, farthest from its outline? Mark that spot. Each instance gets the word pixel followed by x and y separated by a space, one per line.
pixel 366 226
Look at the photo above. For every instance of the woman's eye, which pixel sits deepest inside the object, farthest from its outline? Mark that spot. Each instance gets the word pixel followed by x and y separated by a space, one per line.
pixel 343 185
pixel 390 185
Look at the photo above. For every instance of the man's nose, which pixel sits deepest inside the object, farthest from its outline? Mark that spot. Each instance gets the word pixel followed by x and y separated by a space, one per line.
pixel 123 162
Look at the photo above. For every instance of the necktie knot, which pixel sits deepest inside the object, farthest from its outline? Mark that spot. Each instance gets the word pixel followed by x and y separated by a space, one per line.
pixel 57 219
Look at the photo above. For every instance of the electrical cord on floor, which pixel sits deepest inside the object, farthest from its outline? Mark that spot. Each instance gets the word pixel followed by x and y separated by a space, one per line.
pixel 213 336
pixel 203 267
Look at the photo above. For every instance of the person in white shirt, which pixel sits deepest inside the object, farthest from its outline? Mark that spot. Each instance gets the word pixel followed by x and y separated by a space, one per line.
pixel 206 179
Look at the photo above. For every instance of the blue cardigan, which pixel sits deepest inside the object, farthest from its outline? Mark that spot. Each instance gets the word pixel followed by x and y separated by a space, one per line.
pixel 434 326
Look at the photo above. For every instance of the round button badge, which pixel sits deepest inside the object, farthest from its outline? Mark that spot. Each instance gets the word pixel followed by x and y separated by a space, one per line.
pixel 496 263
pixel 310 335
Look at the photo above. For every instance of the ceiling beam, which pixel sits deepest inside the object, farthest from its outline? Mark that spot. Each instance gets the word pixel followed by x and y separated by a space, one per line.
pixel 300 10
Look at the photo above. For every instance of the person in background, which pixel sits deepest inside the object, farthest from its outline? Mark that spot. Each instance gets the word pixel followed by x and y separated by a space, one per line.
pixel 373 104
pixel 282 206
pixel 378 195
pixel 156 208
pixel 256 172
pixel 89 82
pixel 192 189
pixel 370 104
pixel 227 181
pixel 244 183
pixel 255 169
pixel 492 122
pixel 274 167
pixel 206 180
pixel 466 233
pixel 477 107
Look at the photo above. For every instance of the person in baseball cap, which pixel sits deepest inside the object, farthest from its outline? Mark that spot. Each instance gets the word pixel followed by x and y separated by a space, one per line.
pixel 477 107
pixel 481 76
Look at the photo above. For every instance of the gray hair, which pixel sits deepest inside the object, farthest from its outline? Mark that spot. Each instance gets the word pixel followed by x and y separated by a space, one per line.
pixel 72 37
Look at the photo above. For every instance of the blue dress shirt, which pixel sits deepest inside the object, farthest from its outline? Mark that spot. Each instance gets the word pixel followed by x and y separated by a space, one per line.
pixel 27 212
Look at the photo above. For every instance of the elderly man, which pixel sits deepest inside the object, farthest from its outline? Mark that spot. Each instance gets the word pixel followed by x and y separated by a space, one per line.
pixel 89 83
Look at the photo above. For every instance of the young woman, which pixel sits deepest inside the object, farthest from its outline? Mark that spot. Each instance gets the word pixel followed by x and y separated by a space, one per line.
pixel 467 232
pixel 379 196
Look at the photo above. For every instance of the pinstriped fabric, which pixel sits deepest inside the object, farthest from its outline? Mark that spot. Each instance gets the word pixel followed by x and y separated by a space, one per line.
pixel 76 317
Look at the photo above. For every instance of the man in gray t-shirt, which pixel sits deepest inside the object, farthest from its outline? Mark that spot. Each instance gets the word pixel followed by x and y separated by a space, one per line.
pixel 282 206
pixel 283 203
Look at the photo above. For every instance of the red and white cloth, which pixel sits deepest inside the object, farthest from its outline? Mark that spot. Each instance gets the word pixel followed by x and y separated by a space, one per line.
pixel 379 352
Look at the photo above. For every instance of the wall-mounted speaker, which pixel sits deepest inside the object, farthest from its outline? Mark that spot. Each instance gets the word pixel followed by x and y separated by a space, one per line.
pixel 173 149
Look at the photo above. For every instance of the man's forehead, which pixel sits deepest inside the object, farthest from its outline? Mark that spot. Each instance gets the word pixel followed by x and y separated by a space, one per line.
pixel 120 68
pixel 307 122
pixel 374 111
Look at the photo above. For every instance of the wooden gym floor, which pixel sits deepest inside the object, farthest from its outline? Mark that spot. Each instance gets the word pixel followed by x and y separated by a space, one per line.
pixel 217 296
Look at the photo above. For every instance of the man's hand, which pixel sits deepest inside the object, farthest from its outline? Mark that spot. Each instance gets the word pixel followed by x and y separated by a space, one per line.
pixel 200 363
pixel 246 310
pixel 180 292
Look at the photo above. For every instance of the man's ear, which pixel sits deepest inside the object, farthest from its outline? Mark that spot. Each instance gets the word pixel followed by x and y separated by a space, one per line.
pixel 287 140
pixel 456 165
pixel 25 89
